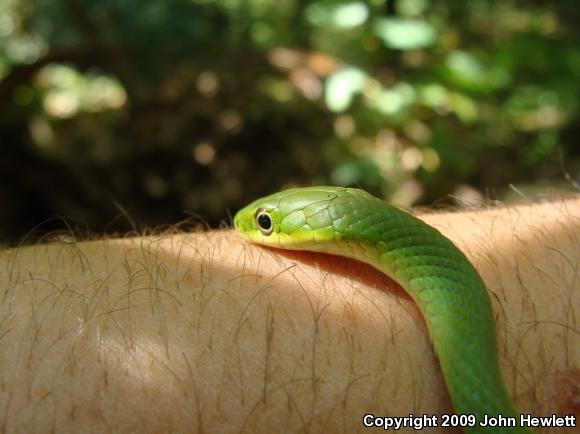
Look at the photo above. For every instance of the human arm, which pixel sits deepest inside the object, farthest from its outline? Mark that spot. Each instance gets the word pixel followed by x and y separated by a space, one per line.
pixel 180 332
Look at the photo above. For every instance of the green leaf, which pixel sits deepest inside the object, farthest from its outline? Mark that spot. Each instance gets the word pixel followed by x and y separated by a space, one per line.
pixel 341 87
pixel 405 34
pixel 343 16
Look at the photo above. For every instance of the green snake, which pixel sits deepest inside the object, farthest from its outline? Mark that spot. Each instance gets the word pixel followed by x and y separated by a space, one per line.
pixel 448 290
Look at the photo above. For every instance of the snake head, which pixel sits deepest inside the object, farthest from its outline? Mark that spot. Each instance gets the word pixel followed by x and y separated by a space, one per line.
pixel 259 222
pixel 296 218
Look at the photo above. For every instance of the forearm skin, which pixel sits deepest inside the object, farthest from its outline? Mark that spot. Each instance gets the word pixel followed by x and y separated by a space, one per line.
pixel 204 332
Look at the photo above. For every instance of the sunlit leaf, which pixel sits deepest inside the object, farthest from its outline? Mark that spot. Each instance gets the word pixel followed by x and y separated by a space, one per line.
pixel 394 100
pixel 67 91
pixel 466 69
pixel 342 86
pixel 405 34
pixel 344 16
pixel 464 107
pixel 433 95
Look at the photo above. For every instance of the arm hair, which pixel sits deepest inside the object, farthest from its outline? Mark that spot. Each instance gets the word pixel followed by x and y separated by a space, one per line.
pixel 204 332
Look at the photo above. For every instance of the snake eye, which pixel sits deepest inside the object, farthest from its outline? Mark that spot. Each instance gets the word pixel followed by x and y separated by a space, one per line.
pixel 264 222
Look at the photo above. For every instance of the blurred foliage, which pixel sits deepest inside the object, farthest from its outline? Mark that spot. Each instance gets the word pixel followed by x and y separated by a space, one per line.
pixel 154 109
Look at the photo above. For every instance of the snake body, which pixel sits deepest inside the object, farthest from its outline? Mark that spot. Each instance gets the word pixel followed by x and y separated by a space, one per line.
pixel 448 290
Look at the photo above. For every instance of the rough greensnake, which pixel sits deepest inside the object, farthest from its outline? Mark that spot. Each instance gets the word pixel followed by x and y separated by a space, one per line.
pixel 448 290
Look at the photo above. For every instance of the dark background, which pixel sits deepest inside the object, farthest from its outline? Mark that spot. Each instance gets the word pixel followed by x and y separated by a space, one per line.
pixel 120 115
